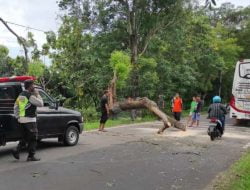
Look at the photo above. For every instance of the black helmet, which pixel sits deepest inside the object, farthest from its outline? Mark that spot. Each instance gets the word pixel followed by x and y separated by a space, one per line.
pixel 28 83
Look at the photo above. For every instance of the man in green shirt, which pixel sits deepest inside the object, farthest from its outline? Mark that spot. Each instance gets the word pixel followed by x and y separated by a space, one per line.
pixel 192 109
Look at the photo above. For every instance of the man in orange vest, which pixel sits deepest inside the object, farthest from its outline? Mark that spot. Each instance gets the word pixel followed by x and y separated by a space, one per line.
pixel 177 106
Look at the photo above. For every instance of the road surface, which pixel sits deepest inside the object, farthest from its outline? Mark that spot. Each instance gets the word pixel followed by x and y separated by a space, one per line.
pixel 131 157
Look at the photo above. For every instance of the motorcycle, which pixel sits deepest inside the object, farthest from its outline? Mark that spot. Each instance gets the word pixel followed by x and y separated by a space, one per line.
pixel 214 128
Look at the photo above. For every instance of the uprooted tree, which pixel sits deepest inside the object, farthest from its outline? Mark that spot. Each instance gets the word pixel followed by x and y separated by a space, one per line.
pixel 120 62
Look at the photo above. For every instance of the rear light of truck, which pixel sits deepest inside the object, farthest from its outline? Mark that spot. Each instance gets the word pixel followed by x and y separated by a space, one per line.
pixel 16 79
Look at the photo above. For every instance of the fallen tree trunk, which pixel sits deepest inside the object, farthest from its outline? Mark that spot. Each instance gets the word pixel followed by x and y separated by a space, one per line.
pixel 142 103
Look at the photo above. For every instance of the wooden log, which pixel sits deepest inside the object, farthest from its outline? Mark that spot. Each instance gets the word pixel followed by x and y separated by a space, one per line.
pixel 145 103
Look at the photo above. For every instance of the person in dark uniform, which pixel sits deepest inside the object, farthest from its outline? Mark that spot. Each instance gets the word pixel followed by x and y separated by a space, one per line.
pixel 25 111
pixel 104 111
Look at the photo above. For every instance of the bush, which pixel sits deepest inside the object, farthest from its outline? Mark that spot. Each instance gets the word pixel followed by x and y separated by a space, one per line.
pixel 89 114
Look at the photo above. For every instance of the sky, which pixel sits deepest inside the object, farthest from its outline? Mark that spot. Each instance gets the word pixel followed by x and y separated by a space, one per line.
pixel 40 14
pixel 43 15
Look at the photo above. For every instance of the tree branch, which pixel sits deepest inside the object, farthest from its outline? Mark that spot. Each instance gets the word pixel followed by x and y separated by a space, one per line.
pixel 20 40
pixel 152 33
pixel 145 103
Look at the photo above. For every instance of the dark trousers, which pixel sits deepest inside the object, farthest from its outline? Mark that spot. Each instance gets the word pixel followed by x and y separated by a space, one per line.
pixel 222 119
pixel 29 136
pixel 177 116
pixel 104 117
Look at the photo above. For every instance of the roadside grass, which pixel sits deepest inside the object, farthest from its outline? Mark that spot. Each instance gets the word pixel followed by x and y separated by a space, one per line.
pixel 237 177
pixel 121 121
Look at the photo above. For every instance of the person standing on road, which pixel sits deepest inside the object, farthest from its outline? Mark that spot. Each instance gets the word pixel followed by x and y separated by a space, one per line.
pixel 192 109
pixel 177 107
pixel 104 110
pixel 197 112
pixel 25 111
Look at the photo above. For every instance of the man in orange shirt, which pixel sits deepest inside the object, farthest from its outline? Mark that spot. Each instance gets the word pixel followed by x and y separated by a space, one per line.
pixel 177 106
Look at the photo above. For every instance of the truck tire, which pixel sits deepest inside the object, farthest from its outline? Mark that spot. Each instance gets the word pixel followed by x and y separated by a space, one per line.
pixel 71 136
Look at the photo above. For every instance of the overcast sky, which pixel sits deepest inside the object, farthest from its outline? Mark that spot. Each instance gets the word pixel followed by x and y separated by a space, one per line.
pixel 40 14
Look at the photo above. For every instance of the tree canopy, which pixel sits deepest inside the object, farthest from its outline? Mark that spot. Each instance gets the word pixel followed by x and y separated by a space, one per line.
pixel 154 47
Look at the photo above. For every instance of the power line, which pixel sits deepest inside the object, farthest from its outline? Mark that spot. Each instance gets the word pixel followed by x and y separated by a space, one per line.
pixel 25 26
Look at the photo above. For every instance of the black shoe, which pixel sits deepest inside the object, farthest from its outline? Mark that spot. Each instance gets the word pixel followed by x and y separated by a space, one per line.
pixel 33 158
pixel 15 154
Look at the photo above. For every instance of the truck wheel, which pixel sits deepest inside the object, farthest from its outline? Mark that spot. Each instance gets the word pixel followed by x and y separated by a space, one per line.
pixel 71 136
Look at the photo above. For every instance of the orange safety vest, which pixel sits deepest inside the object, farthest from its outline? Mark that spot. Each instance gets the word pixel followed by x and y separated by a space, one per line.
pixel 177 105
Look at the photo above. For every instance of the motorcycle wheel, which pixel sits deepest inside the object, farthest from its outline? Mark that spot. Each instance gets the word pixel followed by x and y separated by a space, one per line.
pixel 212 137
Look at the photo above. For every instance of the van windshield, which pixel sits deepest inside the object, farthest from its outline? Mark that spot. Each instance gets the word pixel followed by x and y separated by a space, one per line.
pixel 9 92
pixel 244 70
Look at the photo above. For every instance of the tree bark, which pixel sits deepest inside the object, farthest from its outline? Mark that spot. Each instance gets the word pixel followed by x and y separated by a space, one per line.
pixel 143 103
pixel 133 43
pixel 112 91
pixel 21 41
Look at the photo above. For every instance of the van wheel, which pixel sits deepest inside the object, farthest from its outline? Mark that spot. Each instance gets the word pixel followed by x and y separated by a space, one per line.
pixel 71 136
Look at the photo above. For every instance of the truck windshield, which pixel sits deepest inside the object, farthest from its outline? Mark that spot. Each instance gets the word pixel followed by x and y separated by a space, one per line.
pixel 244 70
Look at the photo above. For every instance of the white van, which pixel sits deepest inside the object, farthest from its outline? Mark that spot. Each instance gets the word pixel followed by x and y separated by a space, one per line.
pixel 240 101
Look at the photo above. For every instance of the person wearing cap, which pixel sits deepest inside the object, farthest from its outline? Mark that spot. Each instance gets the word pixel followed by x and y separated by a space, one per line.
pixel 25 110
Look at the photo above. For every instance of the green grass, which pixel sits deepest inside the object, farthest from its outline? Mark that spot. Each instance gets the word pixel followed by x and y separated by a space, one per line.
pixel 111 123
pixel 238 176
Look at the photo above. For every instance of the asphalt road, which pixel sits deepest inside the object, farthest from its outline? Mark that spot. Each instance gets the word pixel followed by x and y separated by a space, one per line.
pixel 129 157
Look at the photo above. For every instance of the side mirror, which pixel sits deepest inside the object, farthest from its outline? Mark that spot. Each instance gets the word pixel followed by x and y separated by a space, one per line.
pixel 54 105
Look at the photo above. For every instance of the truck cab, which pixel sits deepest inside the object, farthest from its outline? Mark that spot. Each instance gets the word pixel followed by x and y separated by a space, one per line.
pixel 52 119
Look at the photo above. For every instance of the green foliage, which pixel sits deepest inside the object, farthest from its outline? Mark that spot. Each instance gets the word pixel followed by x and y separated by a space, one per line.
pixel 185 48
pixel 36 69
pixel 120 63
pixel 148 77
pixel 244 40
pixel 3 51
pixel 90 113
pixel 168 47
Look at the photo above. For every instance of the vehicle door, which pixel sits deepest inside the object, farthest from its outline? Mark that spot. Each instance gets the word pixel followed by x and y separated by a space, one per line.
pixel 48 116
pixel 8 123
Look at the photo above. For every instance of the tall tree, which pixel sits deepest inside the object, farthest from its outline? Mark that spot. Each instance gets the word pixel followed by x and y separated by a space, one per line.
pixel 143 20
